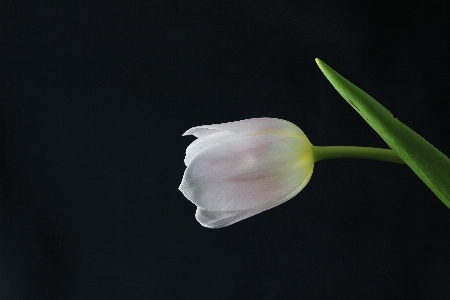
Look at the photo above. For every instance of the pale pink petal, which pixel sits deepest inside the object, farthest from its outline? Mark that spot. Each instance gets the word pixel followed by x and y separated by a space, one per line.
pixel 246 173
pixel 216 133
pixel 213 137
pixel 255 126
pixel 218 219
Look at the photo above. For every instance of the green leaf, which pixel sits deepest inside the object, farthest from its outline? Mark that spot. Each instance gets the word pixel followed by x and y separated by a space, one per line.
pixel 430 164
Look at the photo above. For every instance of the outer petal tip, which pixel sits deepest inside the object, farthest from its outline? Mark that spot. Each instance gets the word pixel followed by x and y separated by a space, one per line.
pixel 185 189
pixel 217 219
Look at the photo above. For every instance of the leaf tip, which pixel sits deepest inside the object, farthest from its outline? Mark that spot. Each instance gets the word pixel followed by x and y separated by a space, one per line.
pixel 321 65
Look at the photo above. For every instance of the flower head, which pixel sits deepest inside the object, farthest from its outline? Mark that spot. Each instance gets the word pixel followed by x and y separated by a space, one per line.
pixel 236 170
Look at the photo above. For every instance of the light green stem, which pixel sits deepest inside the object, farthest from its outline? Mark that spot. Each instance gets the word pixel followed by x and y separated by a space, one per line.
pixel 330 152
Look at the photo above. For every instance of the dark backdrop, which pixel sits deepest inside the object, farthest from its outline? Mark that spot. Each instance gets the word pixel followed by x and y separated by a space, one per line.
pixel 96 94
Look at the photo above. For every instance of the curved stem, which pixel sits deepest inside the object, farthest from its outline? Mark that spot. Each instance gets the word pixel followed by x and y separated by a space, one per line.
pixel 330 152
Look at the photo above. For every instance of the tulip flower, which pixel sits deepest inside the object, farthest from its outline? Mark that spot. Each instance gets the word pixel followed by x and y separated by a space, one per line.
pixel 239 169
pixel 236 170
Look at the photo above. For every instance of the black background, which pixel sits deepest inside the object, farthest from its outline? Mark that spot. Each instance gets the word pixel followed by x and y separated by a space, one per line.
pixel 96 94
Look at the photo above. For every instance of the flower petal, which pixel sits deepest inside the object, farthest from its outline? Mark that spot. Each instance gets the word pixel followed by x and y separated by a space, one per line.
pixel 199 131
pixel 210 138
pixel 218 219
pixel 255 126
pixel 248 172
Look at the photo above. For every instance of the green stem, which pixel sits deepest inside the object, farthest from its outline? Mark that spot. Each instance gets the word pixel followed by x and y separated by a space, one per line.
pixel 330 152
